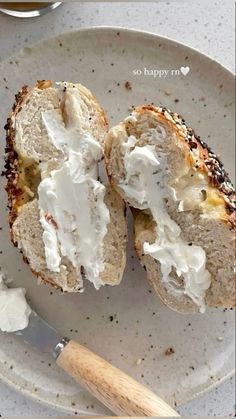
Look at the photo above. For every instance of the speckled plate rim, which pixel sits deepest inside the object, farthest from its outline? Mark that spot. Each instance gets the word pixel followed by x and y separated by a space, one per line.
pixel 148 35
pixel 47 403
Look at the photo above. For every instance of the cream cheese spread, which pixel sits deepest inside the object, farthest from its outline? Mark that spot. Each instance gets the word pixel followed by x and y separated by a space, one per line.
pixel 14 310
pixel 73 214
pixel 144 182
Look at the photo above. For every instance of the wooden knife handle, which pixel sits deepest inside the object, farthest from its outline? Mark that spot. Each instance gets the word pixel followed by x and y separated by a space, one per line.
pixel 120 393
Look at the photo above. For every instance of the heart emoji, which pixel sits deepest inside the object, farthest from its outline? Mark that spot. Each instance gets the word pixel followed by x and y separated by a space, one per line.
pixel 184 70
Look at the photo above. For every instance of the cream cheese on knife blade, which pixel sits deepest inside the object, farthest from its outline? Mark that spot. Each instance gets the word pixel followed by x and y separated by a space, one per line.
pixel 14 309
pixel 73 214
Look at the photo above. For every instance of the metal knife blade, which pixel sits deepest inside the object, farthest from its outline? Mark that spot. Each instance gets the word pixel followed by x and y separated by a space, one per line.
pixel 40 334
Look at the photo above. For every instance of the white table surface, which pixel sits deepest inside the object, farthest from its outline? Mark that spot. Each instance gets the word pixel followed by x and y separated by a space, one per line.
pixel 205 25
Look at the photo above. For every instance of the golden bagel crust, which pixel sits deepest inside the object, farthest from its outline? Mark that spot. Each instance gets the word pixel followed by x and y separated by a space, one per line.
pixel 204 161
pixel 208 162
pixel 11 158
pixel 11 169
pixel 12 166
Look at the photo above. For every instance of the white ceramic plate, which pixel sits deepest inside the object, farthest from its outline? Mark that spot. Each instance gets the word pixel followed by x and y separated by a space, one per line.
pixel 125 323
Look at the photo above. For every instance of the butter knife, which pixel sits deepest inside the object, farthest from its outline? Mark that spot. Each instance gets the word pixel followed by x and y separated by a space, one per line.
pixel 115 389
